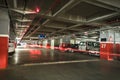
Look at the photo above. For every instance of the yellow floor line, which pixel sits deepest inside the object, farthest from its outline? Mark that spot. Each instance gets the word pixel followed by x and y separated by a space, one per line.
pixel 60 62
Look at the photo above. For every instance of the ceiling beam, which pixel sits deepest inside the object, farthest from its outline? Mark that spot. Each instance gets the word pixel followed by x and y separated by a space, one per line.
pixel 46 30
pixel 24 20
pixel 57 27
pixel 66 28
pixel 66 6
pixel 103 17
pixel 22 26
pixel 103 5
pixel 23 12
pixel 76 29
pixel 89 21
pixel 63 19
pixel 97 3
pixel 114 3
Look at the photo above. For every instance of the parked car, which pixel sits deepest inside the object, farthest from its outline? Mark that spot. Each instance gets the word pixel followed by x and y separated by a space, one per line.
pixel 73 47
pixel 91 47
pixel 64 46
pixel 11 48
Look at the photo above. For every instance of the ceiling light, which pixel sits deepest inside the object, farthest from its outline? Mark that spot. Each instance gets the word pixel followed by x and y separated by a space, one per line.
pixel 85 33
pixel 37 10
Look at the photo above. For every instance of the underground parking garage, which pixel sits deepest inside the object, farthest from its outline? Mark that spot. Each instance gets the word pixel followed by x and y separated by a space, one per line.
pixel 59 39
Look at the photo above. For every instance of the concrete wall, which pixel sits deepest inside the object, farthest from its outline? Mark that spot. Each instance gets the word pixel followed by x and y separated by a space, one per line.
pixel 4 22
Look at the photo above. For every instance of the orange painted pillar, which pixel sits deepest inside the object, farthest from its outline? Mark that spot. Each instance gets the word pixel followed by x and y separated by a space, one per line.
pixel 106 49
pixel 4 32
pixel 62 46
pixel 40 45
pixel 15 44
pixel 48 45
pixel 118 50
pixel 3 52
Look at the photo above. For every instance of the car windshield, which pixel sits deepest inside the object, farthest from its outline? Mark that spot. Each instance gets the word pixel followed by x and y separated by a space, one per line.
pixel 94 44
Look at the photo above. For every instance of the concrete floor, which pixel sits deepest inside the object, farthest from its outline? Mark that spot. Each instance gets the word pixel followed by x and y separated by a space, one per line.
pixel 46 64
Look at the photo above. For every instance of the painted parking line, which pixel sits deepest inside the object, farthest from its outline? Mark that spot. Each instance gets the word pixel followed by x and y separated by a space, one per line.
pixel 60 62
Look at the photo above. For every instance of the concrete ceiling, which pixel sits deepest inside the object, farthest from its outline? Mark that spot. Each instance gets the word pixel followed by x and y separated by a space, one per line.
pixel 60 17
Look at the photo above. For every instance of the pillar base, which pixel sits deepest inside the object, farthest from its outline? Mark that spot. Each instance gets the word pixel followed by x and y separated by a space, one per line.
pixel 106 49
pixel 3 52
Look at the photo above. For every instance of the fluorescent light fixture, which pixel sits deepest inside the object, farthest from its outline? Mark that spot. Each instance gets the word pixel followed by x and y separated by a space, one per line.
pixel 22 26
pixel 95 37
pixel 24 20
pixel 24 12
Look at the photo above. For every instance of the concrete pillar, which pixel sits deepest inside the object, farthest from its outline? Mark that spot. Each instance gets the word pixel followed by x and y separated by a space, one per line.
pixel 40 43
pixel 106 44
pixel 72 41
pixel 61 45
pixel 56 43
pixel 64 43
pixel 52 43
pixel 66 39
pixel 4 34
pixel 61 41
pixel 46 43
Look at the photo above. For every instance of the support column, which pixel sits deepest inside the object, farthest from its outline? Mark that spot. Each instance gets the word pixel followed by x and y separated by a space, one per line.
pixel 56 43
pixel 64 43
pixel 4 31
pixel 52 43
pixel 61 45
pixel 3 51
pixel 46 43
pixel 72 41
pixel 40 44
pixel 106 44
pixel 106 49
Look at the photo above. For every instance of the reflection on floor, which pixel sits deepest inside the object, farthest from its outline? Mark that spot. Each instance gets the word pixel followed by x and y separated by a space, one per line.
pixel 26 65
pixel 37 55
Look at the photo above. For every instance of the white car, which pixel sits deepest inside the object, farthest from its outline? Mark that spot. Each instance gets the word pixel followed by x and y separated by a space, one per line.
pixel 11 48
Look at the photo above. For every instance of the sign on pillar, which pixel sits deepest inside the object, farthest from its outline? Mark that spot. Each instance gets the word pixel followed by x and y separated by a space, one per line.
pixel 106 50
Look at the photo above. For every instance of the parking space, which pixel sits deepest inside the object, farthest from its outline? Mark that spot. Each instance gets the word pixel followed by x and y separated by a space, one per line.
pixel 42 55
pixel 59 40
pixel 47 64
